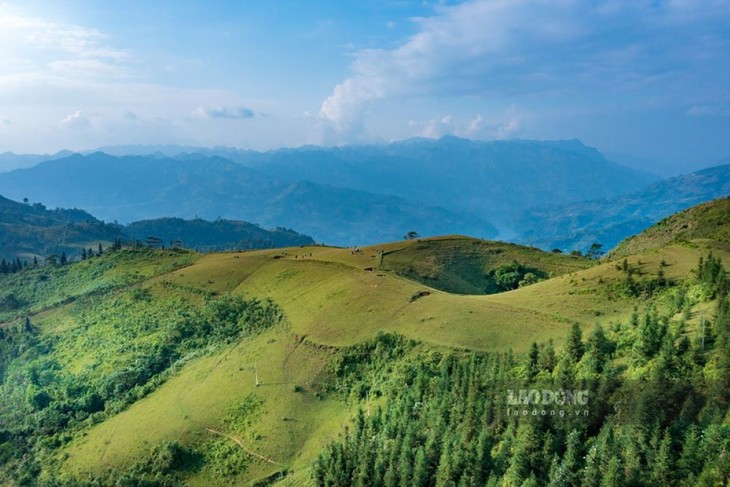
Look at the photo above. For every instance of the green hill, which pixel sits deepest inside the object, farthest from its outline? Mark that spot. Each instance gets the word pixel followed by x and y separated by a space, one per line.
pixel 218 235
pixel 171 367
pixel 466 265
pixel 31 230
pixel 709 221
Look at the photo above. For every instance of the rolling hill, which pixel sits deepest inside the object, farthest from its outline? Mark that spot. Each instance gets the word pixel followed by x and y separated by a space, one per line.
pixel 708 221
pixel 237 368
pixel 29 231
pixel 206 236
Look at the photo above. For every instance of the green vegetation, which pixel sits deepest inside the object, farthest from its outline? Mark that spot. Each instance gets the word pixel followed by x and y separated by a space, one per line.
pixel 29 231
pixel 469 266
pixel 455 418
pixel 167 367
pixel 104 354
pixel 706 221
pixel 30 234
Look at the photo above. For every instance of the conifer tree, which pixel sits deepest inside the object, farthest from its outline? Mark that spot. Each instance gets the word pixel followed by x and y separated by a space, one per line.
pixel 574 346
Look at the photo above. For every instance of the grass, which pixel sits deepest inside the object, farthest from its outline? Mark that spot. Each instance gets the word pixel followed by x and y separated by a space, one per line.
pixel 708 221
pixel 463 265
pixel 329 300
pixel 200 396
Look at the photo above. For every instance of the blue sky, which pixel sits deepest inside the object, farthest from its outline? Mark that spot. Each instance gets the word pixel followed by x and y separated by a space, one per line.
pixel 647 78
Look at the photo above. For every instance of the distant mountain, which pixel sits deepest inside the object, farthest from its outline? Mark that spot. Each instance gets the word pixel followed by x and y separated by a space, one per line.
pixel 217 235
pixel 134 188
pixel 10 161
pixel 32 230
pixel 494 180
pixel 610 220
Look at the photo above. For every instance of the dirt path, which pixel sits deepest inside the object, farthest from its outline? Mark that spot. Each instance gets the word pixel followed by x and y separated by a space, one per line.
pixel 240 443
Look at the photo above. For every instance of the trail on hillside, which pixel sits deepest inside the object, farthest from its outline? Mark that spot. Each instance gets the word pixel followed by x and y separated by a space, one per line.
pixel 239 442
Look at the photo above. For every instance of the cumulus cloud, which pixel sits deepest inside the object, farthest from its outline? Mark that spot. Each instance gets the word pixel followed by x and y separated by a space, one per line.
pixel 434 128
pixel 77 120
pixel 495 48
pixel 239 113
pixel 503 126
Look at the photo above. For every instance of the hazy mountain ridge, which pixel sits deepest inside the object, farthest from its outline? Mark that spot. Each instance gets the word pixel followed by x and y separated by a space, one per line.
pixel 10 161
pixel 134 188
pixel 610 220
pixel 553 194
pixel 493 179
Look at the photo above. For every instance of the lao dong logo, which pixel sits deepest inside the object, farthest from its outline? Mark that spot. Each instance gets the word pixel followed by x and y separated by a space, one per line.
pixel 544 402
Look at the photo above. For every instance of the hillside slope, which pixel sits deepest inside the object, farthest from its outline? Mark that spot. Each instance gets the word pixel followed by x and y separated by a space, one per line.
pixel 219 235
pixel 708 221
pixel 31 230
pixel 608 221
pixel 464 265
pixel 262 404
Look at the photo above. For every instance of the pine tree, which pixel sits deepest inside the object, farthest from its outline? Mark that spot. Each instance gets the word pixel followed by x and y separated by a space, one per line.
pixel 421 469
pixel 574 346
pixel 548 360
pixel 568 473
pixel 663 468
pixel 532 361
pixel 614 475
pixel 599 347
pixel 690 461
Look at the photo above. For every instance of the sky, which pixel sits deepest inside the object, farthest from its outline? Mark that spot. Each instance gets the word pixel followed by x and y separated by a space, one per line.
pixel 649 79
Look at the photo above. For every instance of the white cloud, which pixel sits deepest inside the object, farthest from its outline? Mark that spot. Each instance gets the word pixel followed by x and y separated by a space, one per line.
pixel 5 120
pixel 77 120
pixel 38 47
pixel 502 126
pixel 238 113
pixel 435 128
pixel 518 48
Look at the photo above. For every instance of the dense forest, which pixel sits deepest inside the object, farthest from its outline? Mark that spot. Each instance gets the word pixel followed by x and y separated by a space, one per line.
pixel 636 404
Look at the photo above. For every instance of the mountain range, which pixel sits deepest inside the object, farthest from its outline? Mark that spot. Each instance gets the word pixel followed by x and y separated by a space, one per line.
pixel 344 196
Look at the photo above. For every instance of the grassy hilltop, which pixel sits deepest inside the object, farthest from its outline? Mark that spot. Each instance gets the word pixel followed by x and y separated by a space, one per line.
pixel 241 367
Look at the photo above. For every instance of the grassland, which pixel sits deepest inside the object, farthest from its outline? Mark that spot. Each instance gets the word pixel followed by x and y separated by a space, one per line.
pixel 331 298
pixel 464 265
pixel 707 221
